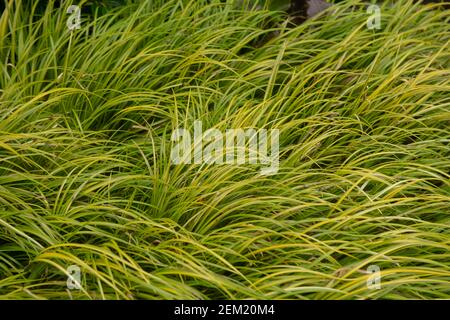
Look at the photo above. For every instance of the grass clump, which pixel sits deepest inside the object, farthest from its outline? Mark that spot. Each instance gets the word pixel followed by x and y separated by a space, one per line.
pixel 86 118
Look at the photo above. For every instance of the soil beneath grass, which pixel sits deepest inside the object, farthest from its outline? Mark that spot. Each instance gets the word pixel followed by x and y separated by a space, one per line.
pixel 301 10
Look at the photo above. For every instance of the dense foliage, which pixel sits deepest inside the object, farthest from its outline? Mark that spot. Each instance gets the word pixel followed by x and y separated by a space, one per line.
pixel 86 118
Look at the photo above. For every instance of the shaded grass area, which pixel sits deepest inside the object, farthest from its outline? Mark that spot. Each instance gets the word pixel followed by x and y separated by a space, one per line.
pixel 85 177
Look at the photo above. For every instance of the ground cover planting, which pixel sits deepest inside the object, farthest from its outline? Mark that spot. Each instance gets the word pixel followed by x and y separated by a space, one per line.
pixel 92 205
